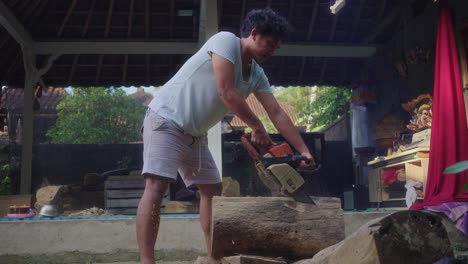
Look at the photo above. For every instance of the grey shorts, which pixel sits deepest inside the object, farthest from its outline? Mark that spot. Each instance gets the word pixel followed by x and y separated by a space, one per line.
pixel 168 150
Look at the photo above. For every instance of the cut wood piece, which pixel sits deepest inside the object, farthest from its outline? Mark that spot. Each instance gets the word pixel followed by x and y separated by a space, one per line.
pixel 402 237
pixel 247 259
pixel 173 207
pixel 241 259
pixel 275 226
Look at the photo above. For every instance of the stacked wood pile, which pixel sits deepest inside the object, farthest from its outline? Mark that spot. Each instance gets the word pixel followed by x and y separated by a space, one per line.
pixel 278 230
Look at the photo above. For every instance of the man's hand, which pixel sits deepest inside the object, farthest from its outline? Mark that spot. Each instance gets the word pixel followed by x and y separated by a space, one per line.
pixel 261 138
pixel 309 163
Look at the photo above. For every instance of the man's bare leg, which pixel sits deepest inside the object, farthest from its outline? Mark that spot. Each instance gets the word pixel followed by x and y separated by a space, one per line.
pixel 148 216
pixel 207 191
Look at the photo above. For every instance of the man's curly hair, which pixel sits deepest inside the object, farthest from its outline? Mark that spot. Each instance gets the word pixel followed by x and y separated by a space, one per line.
pixel 266 22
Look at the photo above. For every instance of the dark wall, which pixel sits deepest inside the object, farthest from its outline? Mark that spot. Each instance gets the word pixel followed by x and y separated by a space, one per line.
pixel 68 163
pixel 338 169
pixel 417 29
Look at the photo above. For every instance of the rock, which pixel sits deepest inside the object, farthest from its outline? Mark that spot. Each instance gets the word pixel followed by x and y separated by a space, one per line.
pixel 231 188
pixel 52 194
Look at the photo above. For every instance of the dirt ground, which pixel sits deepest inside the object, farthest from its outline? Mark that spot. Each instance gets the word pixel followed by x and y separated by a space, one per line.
pixel 162 257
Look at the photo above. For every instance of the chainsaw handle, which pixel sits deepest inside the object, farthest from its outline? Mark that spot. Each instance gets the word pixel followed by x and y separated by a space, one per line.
pixel 249 147
pixel 311 171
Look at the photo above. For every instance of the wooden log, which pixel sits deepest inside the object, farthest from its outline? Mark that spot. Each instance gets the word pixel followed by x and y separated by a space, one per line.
pixel 402 237
pixel 275 226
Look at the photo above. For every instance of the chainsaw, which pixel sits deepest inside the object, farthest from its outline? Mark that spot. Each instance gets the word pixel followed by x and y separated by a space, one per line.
pixel 278 169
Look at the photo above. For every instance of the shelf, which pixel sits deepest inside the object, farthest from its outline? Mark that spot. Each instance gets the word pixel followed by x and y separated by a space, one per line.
pixel 400 157
pixel 415 168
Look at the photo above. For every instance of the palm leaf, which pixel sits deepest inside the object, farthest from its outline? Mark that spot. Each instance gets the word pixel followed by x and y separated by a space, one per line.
pixel 457 167
pixel 465 188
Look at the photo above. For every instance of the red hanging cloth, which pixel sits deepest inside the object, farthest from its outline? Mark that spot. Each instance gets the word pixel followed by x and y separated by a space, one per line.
pixel 449 135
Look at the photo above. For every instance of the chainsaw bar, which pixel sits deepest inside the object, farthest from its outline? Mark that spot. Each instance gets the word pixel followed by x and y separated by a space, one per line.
pixel 301 197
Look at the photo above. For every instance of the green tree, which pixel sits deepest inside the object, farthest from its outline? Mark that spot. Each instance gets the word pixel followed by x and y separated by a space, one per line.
pixel 296 96
pixel 328 104
pixel 270 128
pixel 97 115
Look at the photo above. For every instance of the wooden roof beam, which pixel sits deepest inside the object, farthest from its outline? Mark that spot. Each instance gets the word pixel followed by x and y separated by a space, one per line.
pixel 73 69
pixel 357 17
pixel 242 11
pixel 309 36
pixel 330 38
pixel 323 70
pixel 326 51
pixel 172 14
pixel 9 21
pixel 13 66
pixel 333 27
pixel 109 18
pixel 67 16
pixel 292 5
pixel 147 19
pixel 312 19
pixel 88 19
pixel 129 34
pixel 130 18
pixel 386 21
pixel 105 47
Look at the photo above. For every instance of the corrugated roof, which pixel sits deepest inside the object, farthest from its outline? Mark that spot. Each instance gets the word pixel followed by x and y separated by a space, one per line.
pixel 13 100
pixel 258 110
pixel 143 97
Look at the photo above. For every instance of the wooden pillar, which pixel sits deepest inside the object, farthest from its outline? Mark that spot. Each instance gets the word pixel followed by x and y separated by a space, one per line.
pixel 30 81
pixel 32 78
pixel 208 27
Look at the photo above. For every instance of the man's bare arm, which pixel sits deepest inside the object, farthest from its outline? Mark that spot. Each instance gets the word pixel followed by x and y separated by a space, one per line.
pixel 284 124
pixel 233 99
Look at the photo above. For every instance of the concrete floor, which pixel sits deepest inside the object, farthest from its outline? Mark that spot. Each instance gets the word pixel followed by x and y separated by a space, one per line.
pixel 113 240
pixel 163 262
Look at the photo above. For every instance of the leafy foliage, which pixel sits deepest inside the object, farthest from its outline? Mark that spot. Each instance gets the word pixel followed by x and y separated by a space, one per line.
pixel 270 128
pixel 316 106
pixel 8 172
pixel 457 168
pixel 296 96
pixel 330 103
pixel 97 115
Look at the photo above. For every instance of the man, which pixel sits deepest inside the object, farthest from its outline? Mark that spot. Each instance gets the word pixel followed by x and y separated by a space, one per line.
pixel 215 80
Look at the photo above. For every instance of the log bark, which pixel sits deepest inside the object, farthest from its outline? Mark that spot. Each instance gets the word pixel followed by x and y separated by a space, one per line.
pixel 402 237
pixel 275 226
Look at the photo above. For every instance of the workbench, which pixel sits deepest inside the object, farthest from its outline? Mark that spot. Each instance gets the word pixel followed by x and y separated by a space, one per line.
pixel 414 163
